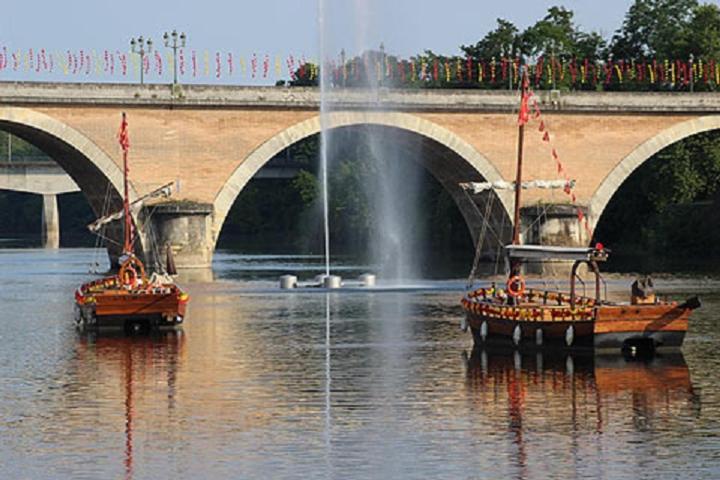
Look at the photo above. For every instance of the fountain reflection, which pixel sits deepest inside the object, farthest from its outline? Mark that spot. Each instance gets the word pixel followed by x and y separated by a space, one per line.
pixel 576 396
pixel 138 360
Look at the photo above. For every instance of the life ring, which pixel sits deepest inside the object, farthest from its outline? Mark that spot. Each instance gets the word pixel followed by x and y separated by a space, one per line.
pixel 129 275
pixel 515 280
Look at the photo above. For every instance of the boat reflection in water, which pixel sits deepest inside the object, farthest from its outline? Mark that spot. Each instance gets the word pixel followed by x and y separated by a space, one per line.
pixel 135 359
pixel 569 410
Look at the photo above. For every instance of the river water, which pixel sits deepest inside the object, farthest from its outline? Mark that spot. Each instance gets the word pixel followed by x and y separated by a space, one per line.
pixel 249 389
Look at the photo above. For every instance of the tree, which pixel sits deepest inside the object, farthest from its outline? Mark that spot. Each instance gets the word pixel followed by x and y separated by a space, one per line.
pixel 590 46
pixel 553 36
pixel 687 171
pixel 652 28
pixel 701 36
pixel 504 41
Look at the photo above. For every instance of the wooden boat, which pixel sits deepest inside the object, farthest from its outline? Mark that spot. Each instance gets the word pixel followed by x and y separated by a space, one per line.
pixel 539 318
pixel 130 299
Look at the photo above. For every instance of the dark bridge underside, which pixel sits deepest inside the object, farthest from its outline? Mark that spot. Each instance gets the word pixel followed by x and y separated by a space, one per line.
pixel 97 188
pixel 450 169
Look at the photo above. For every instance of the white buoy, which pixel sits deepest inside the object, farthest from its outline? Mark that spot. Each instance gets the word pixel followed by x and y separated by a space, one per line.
pixel 332 281
pixel 539 337
pixel 483 330
pixel 569 335
pixel 517 335
pixel 463 324
pixel 570 365
pixel 288 281
pixel 367 280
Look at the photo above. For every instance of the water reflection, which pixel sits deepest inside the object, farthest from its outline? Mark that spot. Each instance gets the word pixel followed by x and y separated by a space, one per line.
pixel 138 361
pixel 579 395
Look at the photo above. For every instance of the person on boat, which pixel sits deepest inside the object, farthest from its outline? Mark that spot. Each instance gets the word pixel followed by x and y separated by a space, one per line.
pixel 131 278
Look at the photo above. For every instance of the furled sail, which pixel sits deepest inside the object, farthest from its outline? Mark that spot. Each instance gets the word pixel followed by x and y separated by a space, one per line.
pixel 164 192
pixel 478 187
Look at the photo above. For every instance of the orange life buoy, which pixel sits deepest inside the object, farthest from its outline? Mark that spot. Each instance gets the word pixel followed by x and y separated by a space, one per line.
pixel 516 286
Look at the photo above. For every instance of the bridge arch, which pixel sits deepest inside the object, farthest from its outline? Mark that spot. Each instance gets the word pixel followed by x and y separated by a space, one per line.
pixel 617 176
pixel 465 162
pixel 90 167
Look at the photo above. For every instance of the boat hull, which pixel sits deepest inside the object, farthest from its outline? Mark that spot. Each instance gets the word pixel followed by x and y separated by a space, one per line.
pixel 602 327
pixel 132 311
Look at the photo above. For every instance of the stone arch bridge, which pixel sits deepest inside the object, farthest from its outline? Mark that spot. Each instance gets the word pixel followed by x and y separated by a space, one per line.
pixel 211 140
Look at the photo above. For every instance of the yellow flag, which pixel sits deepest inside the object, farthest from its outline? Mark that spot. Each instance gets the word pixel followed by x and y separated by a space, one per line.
pixel 96 62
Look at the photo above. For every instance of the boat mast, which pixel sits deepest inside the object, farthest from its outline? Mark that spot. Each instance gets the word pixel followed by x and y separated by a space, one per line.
pixel 125 144
pixel 522 120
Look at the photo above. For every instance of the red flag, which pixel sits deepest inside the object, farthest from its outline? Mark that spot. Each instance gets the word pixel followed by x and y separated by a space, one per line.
pixel 554 154
pixel 542 126
pixel 572 197
pixel 123 136
pixel 536 109
pixel 546 137
pixel 560 167
pixel 580 215
pixel 524 114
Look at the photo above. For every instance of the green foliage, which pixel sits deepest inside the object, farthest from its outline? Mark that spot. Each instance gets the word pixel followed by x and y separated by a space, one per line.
pixel 501 42
pixel 307 186
pixel 20 149
pixel 553 36
pixel 657 36
pixel 701 36
pixel 652 28
pixel 670 204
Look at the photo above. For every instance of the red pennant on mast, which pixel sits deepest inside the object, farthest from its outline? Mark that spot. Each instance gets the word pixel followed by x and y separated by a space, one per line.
pixel 124 140
pixel 524 114
pixel 123 136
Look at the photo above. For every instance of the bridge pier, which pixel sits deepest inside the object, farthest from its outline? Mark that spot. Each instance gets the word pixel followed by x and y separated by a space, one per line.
pixel 50 222
pixel 185 226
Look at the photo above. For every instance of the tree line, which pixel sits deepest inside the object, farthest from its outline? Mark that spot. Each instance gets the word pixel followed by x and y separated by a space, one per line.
pixel 661 45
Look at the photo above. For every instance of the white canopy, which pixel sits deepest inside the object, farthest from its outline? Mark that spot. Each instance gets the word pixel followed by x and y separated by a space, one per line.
pixel 164 191
pixel 543 252
pixel 478 187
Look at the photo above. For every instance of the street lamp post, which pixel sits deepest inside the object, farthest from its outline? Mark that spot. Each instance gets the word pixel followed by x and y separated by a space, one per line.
pixel 552 63
pixel 508 55
pixel 171 41
pixel 139 47
pixel 692 73
pixel 381 73
pixel 344 68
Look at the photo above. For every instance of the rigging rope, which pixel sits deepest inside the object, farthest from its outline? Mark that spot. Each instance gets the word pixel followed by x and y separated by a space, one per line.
pixel 99 235
pixel 483 231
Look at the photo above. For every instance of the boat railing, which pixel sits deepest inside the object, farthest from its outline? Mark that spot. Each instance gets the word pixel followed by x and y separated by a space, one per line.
pixel 573 275
pixel 531 295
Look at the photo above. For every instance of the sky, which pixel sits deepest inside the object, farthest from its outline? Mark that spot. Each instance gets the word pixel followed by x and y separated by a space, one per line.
pixel 276 28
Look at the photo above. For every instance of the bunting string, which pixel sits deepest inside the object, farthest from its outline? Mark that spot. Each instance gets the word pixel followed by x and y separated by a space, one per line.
pixel 653 74
pixel 561 171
